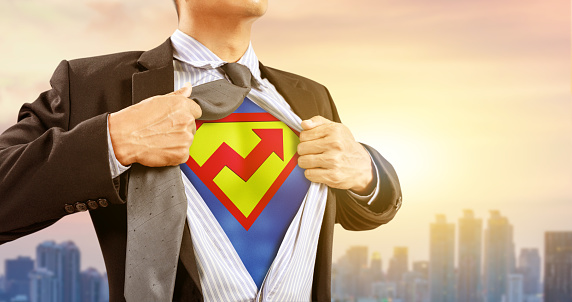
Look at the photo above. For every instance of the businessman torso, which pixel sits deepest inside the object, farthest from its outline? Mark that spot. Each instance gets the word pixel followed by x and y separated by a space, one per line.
pixel 66 126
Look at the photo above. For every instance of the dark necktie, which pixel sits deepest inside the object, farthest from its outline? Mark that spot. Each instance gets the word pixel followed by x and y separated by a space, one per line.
pixel 157 204
pixel 219 98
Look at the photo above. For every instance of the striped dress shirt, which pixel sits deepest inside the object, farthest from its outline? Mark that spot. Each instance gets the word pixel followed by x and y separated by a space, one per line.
pixel 222 273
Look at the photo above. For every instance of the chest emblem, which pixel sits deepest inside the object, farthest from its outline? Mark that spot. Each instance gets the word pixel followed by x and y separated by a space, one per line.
pixel 243 160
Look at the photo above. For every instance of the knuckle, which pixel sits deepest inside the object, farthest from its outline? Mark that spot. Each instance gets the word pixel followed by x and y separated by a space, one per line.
pixel 188 137
pixel 300 149
pixel 301 162
pixel 186 117
pixel 336 145
pixel 183 156
pixel 335 180
pixel 197 109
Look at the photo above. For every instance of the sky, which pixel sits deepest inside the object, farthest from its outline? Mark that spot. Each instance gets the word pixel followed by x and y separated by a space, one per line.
pixel 469 100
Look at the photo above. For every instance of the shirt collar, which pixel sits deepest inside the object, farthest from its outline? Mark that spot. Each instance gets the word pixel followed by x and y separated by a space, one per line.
pixel 187 49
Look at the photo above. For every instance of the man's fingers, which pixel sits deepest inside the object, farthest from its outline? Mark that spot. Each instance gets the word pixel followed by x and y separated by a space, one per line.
pixel 312 147
pixel 324 176
pixel 313 161
pixel 196 110
pixel 315 122
pixel 313 134
pixel 184 91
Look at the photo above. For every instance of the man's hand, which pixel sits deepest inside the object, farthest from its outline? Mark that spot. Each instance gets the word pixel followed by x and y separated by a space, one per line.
pixel 330 155
pixel 156 132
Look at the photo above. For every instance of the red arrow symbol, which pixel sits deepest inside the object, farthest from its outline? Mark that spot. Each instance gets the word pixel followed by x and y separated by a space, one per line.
pixel 271 140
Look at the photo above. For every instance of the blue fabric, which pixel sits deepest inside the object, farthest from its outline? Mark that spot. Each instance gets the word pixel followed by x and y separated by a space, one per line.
pixel 258 246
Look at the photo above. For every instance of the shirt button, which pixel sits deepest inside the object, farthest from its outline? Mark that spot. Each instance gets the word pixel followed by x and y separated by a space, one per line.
pixel 103 202
pixel 80 207
pixel 92 204
pixel 69 208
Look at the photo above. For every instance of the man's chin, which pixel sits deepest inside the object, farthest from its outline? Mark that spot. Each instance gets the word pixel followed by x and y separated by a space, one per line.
pixel 255 8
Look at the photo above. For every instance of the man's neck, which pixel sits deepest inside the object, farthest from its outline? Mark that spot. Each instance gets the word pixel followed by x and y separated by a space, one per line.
pixel 227 39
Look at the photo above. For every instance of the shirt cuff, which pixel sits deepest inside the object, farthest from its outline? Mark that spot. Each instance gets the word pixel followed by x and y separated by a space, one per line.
pixel 367 199
pixel 114 165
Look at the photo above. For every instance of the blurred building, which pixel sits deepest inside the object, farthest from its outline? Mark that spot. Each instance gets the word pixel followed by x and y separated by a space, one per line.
pixel 63 260
pixel 43 286
pixel 104 296
pixel 422 268
pixel 529 268
pixel 514 288
pixel 442 260
pixel 91 282
pixel 351 274
pixel 469 269
pixel 375 268
pixel 70 277
pixel 398 266
pixel 416 287
pixel 499 256
pixel 384 291
pixel 558 267
pixel 16 280
pixel 49 257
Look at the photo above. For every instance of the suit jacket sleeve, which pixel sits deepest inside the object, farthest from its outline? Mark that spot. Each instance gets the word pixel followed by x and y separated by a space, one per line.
pixel 45 164
pixel 355 216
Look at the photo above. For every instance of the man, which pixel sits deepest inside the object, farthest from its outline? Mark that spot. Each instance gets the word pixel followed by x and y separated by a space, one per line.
pixel 186 233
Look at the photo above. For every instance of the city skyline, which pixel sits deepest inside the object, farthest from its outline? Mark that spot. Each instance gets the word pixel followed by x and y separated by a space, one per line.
pixel 385 258
pixel 456 248
pixel 95 258
pixel 357 277
pixel 54 275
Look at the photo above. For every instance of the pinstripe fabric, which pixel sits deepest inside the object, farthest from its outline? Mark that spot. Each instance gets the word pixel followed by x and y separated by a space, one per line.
pixel 223 275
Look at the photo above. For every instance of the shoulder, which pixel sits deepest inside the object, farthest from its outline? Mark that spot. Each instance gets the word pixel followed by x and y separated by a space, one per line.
pixel 321 96
pixel 303 81
pixel 105 65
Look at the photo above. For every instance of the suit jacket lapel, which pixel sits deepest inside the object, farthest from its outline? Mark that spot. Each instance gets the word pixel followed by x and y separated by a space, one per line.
pixel 157 78
pixel 157 73
pixel 301 100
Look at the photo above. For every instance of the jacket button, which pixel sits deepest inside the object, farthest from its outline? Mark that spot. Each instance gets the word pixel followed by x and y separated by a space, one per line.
pixel 69 208
pixel 103 202
pixel 80 207
pixel 92 204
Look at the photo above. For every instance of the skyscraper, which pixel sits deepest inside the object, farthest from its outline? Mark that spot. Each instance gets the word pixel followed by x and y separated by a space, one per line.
pixel 358 260
pixel 43 286
pixel 104 296
pixel 469 278
pixel 63 260
pixel 529 267
pixel 398 266
pixel 514 288
pixel 49 257
pixel 558 267
pixel 442 260
pixel 375 268
pixel 499 256
pixel 17 270
pixel 91 282
pixel 422 268
pixel 416 288
pixel 70 276
pixel 351 272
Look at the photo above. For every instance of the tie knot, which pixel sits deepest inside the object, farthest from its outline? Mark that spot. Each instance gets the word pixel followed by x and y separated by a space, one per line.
pixel 238 74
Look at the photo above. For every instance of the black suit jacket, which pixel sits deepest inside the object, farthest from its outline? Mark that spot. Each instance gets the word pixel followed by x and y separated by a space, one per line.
pixel 55 161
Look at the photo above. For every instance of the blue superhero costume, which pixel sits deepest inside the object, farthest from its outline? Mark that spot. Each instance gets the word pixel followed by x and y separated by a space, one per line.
pixel 254 225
